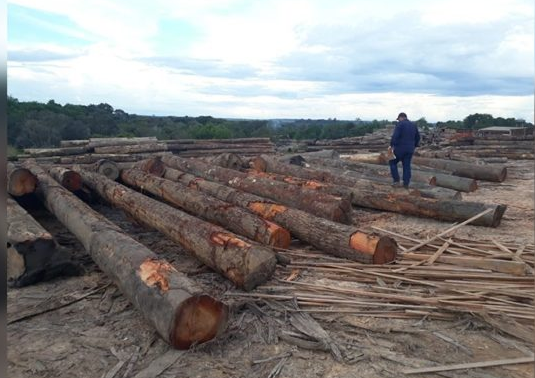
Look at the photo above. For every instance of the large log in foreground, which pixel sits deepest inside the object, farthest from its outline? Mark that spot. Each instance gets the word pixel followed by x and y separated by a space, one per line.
pixel 331 237
pixel 20 181
pixel 229 216
pixel 458 168
pixel 321 204
pixel 174 304
pixel 245 264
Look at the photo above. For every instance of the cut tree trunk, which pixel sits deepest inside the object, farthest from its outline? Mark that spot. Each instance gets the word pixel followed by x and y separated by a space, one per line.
pixel 106 168
pixel 68 178
pixel 174 304
pixel 20 181
pixel 118 158
pixel 221 141
pixel 478 172
pixel 245 264
pixel 74 143
pixel 331 237
pixel 445 210
pixel 379 158
pixel 48 152
pixel 231 217
pixel 329 207
pixel 131 149
pixel 104 142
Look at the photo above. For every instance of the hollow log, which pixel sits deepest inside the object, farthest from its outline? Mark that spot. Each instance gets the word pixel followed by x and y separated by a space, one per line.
pixel 245 264
pixel 324 205
pixel 478 172
pixel 131 149
pixel 445 210
pixel 68 178
pixel 231 217
pixel 331 237
pixel 174 304
pixel 20 181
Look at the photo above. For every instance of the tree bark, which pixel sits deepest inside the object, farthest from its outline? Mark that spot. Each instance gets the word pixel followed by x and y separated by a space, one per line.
pixel 445 210
pixel 174 304
pixel 106 168
pixel 68 178
pixel 324 205
pixel 120 141
pixel 132 149
pixel 229 216
pixel 20 181
pixel 330 237
pixel 379 158
pixel 74 143
pixel 245 264
pixel 478 172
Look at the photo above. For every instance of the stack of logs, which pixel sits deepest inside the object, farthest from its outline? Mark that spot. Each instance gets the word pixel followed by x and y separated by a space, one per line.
pixel 89 151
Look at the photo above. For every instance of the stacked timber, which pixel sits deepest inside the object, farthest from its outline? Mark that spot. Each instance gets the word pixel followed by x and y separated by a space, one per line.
pixel 331 237
pixel 244 263
pixel 180 311
pixel 211 147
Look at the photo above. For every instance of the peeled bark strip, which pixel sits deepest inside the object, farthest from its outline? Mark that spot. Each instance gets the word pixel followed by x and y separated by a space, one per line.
pixel 30 246
pixel 209 208
pixel 446 210
pixel 131 149
pixel 331 237
pixel 458 168
pixel 324 205
pixel 68 178
pixel 245 264
pixel 20 181
pixel 174 304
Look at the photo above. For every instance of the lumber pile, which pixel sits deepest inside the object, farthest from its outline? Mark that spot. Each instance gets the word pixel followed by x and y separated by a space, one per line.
pixel 210 147
pixel 441 278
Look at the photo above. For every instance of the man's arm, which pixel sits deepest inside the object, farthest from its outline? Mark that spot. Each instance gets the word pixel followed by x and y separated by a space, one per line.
pixel 417 137
pixel 395 136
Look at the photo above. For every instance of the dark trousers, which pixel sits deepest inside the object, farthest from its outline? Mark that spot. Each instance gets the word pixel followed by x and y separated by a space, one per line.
pixel 405 158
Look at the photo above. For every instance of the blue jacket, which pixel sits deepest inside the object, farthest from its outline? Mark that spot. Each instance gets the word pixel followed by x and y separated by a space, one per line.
pixel 405 137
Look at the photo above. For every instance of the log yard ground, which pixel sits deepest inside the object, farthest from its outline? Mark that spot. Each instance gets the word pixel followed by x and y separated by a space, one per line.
pixel 457 301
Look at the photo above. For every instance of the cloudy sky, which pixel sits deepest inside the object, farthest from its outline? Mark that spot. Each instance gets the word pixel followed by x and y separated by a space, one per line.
pixel 438 59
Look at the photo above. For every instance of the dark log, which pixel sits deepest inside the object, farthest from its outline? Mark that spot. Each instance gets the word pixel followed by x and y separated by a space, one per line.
pixel 445 210
pixel 324 205
pixel 68 178
pixel 154 166
pixel 131 149
pixel 20 181
pixel 330 237
pixel 457 168
pixel 231 217
pixel 245 264
pixel 174 304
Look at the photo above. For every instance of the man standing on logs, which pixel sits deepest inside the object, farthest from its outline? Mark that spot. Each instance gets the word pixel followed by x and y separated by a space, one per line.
pixel 404 140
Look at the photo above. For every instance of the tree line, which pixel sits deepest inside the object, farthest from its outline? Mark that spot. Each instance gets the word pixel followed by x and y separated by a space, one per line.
pixel 35 124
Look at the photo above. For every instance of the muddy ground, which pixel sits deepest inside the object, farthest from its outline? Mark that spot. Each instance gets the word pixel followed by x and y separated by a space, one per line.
pixel 102 335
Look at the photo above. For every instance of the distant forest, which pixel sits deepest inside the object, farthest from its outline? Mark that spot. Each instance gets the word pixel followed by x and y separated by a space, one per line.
pixel 35 124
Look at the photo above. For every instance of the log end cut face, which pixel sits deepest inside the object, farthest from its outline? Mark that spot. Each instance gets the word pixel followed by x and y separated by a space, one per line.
pixel 72 181
pixel 382 249
pixel 21 182
pixel 198 319
pixel 278 237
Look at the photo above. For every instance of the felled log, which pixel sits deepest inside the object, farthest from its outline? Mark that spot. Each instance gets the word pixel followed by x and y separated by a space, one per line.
pixel 118 158
pixel 243 263
pixel 175 305
pixel 106 168
pixel 240 151
pixel 74 143
pixel 131 149
pixel 445 210
pixel 331 237
pixel 119 141
pixel 478 172
pixel 380 158
pixel 49 152
pixel 32 255
pixel 221 141
pixel 20 181
pixel 231 217
pixel 68 178
pixel 324 205
pixel 215 146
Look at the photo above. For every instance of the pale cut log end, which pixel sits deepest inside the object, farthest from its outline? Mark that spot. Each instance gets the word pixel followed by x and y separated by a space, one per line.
pixel 278 236
pixel 21 182
pixel 261 265
pixel 381 249
pixel 198 320
pixel 72 181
